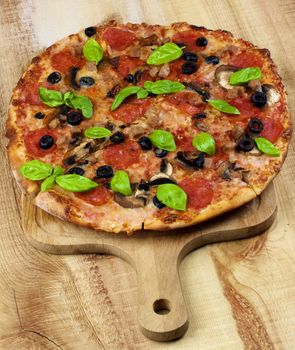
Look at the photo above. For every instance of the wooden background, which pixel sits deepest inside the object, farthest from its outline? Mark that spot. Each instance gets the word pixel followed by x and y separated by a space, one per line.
pixel 239 294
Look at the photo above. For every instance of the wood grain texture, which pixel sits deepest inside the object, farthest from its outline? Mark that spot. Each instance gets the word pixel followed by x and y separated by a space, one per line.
pixel 238 294
pixel 155 256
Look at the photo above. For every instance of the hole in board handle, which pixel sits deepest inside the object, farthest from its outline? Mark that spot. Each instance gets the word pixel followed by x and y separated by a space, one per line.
pixel 161 306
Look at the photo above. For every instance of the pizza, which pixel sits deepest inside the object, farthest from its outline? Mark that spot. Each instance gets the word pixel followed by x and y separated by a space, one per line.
pixel 126 127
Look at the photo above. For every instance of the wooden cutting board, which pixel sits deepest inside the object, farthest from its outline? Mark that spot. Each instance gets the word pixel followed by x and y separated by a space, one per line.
pixel 156 256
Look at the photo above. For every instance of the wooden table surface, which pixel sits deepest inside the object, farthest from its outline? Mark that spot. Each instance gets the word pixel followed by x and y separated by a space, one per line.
pixel 239 294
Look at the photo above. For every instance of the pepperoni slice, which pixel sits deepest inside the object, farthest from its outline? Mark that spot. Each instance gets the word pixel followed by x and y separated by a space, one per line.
pixel 122 155
pixel 128 112
pixel 98 196
pixel 64 60
pixel 199 192
pixel 129 64
pixel 118 39
pixel 188 38
pixel 32 139
pixel 246 59
pixel 185 102
pixel 246 108
pixel 272 129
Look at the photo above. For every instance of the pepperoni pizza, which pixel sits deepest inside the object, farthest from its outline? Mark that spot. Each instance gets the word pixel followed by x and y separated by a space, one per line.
pixel 124 127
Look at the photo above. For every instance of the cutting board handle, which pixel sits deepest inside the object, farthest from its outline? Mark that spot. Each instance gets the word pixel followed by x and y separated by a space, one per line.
pixel 162 313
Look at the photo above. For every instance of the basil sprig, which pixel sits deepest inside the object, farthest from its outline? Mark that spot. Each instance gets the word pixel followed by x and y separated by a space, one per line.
pixel 121 183
pixel 265 146
pixel 163 139
pixel 92 51
pixel 49 182
pixel 163 86
pixel 165 53
pixel 36 170
pixel 125 92
pixel 79 102
pixel 245 75
pixel 223 106
pixel 172 195
pixel 75 183
pixel 55 98
pixel 204 142
pixel 51 98
pixel 97 132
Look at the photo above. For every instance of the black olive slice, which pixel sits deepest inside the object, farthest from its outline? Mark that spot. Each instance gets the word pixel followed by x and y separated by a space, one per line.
pixel 255 125
pixel 76 170
pixel 145 143
pixel 161 181
pixel 245 144
pixel 157 203
pixel 46 142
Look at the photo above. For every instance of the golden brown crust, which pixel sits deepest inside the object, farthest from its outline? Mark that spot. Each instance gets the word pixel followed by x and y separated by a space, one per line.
pixel 244 196
pixel 67 207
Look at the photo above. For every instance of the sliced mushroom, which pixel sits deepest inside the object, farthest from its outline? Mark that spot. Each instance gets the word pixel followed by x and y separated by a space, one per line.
pixel 223 167
pixel 228 171
pixel 199 90
pixel 222 74
pixel 80 151
pixel 166 167
pixel 164 71
pixel 272 94
pixel 129 201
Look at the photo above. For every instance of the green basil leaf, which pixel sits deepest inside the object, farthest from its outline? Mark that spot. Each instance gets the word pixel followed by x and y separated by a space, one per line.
pixel 36 170
pixel 124 93
pixel 148 84
pixel 163 140
pixel 80 102
pixel 163 86
pixel 97 132
pixel 204 142
pixel 92 51
pixel 58 170
pixel 51 98
pixel 48 183
pixel 75 183
pixel 142 93
pixel 244 75
pixel 266 147
pixel 121 183
pixel 172 195
pixel 223 106
pixel 165 53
